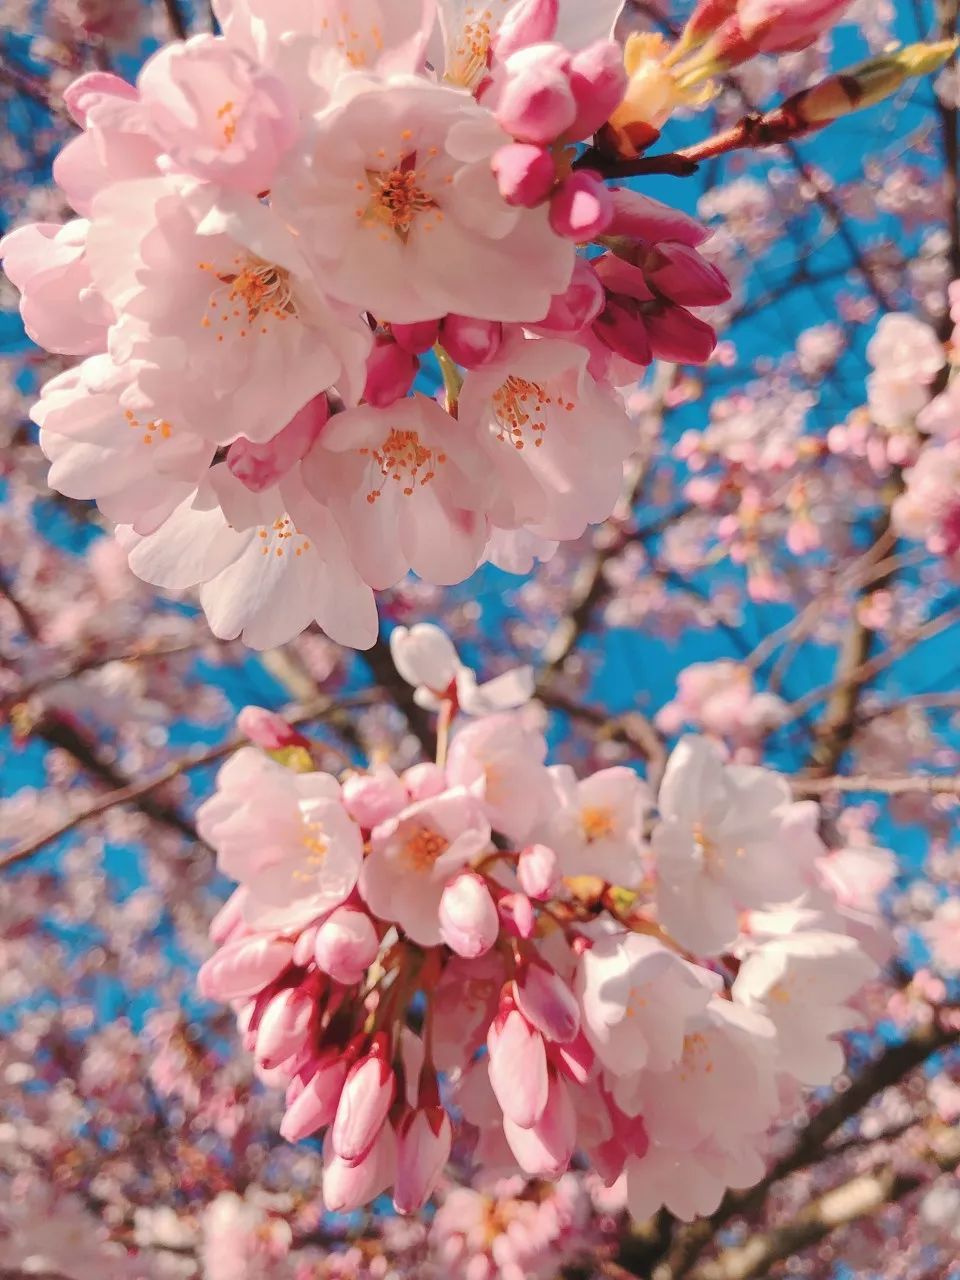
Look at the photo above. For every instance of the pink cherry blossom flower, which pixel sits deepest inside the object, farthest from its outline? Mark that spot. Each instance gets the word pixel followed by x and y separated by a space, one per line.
pixel 414 856
pixel 286 836
pixel 408 221
pixel 638 998
pixel 597 826
pixel 800 983
pixel 718 845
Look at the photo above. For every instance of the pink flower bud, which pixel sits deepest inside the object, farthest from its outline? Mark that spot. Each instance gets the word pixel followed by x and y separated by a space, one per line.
pixel 268 730
pixel 682 275
pixel 303 947
pixel 544 1150
pixel 347 1187
pixel 576 1060
pixel 471 343
pixel 679 337
pixel 598 81
pixel 579 306
pixel 517 1066
pixel 244 967
pixel 623 329
pixel 424 1138
pixel 706 18
pixel 641 218
pixel 534 101
pixel 416 338
pixel 374 797
pixel 285 1026
pixel 527 22
pixel 547 1002
pixel 424 780
pixel 787 26
pixel 469 923
pixel 390 373
pixel 525 174
pixel 346 945
pixel 538 871
pixel 517 915
pixel 312 1100
pixel 367 1097
pixel 582 208
pixel 259 465
pixel 229 920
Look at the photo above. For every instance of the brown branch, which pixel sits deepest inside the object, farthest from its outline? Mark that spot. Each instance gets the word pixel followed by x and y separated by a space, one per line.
pixel 858 1198
pixel 920 784
pixel 176 19
pixel 380 661
pixel 892 1065
pixel 28 622
pixel 140 793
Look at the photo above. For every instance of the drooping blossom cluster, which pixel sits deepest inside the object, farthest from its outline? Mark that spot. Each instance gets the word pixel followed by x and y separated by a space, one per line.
pixel 278 229
pixel 569 965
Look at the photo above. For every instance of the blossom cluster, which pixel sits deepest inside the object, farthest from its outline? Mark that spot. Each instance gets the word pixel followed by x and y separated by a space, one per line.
pixel 281 231
pixel 566 965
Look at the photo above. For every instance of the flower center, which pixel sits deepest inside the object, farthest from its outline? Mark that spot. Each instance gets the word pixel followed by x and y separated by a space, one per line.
pixel 277 538
pixel 316 845
pixel 358 47
pixel 596 824
pixel 255 293
pixel 227 117
pixel 398 198
pixel 423 848
pixel 158 427
pixel 405 459
pixel 520 408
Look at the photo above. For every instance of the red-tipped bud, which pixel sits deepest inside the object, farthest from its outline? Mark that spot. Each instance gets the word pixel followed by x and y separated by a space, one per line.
pixel 582 208
pixel 471 343
pixel 525 174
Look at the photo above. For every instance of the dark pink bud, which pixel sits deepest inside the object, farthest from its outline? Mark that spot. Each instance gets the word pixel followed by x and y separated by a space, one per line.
pixel 259 466
pixel 598 81
pixel 682 275
pixel 582 208
pixel 244 967
pixel 312 1099
pixel 416 338
pixel 268 730
pixel 471 343
pixel 641 218
pixel 424 1138
pixel 346 945
pixel 351 1186
pixel 525 174
pixel 285 1026
pixel 517 1066
pixel 576 1060
pixel 619 276
pixel 680 337
pixel 534 101
pixel 623 329
pixel 469 923
pixel 367 1097
pixel 579 306
pixel 390 373
pixel 303 947
pixel 517 915
pixel 544 1150
pixel 538 871
pixel 547 1002
pixel 527 22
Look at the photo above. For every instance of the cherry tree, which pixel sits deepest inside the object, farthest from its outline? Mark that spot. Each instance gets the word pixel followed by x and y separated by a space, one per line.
pixel 476 616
